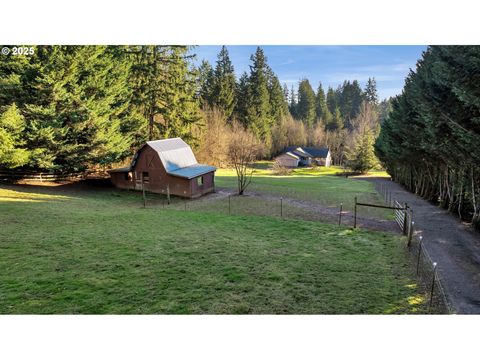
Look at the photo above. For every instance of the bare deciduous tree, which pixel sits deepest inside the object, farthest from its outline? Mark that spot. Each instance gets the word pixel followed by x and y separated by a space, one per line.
pixel 243 150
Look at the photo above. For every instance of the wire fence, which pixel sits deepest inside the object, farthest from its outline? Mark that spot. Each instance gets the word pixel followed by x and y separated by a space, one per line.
pixel 426 269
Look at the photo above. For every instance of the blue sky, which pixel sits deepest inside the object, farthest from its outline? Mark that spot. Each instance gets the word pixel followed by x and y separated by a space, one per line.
pixel 329 64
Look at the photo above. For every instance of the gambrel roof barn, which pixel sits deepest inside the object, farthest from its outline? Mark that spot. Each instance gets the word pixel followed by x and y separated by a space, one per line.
pixel 166 166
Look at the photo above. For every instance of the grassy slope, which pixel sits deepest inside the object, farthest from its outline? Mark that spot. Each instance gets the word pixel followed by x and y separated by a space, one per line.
pixel 101 252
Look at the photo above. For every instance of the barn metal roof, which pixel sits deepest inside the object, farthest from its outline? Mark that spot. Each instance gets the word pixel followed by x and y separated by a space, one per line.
pixel 193 171
pixel 174 153
pixel 178 158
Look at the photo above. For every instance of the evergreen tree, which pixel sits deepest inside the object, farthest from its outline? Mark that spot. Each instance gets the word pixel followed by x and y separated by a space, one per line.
pixel 349 99
pixel 242 98
pixel 331 100
pixel 164 89
pixel 224 84
pixel 278 104
pixel 363 158
pixel 205 83
pixel 371 92
pixel 292 106
pixel 258 109
pixel 336 122
pixel 321 103
pixel 12 124
pixel 306 107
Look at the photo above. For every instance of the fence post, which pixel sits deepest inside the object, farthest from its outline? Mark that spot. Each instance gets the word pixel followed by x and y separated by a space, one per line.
pixel 168 194
pixel 419 252
pixel 281 207
pixel 405 223
pixel 143 193
pixel 355 214
pixel 340 214
pixel 410 234
pixel 229 205
pixel 433 285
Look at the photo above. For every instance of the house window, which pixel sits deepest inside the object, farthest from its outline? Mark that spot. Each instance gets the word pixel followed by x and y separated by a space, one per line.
pixel 200 180
pixel 145 177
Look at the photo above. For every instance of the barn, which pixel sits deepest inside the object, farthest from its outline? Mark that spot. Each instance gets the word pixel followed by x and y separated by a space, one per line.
pixel 166 167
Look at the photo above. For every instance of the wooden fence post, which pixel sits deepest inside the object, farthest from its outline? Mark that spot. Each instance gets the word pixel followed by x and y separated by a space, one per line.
pixel 229 205
pixel 143 193
pixel 433 285
pixel 281 207
pixel 410 234
pixel 355 214
pixel 419 253
pixel 405 216
pixel 340 214
pixel 168 193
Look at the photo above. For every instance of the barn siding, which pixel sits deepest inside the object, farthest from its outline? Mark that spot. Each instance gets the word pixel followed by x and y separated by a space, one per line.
pixel 159 180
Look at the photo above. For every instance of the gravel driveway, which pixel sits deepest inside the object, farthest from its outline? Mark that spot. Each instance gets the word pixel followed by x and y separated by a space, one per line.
pixel 453 245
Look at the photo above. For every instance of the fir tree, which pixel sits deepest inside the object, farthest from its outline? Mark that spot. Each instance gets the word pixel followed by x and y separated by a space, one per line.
pixel 12 124
pixel 306 107
pixel 370 92
pixel 258 109
pixel 224 84
pixel 321 103
pixel 205 83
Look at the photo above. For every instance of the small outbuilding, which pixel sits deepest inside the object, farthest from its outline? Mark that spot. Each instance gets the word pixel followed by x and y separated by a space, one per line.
pixel 309 155
pixel 287 159
pixel 166 167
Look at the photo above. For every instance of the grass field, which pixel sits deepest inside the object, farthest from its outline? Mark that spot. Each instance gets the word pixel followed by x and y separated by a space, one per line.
pixel 69 250
pixel 312 184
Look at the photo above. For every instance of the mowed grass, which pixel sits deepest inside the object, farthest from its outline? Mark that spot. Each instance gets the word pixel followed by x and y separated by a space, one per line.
pixel 76 250
pixel 319 185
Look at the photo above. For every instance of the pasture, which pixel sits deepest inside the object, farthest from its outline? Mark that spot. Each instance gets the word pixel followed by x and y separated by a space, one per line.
pixel 79 249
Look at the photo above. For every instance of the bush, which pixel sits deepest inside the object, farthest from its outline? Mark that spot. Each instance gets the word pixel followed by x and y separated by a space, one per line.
pixel 279 169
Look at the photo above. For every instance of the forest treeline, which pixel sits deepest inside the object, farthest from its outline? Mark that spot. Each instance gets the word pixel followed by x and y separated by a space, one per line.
pixel 430 142
pixel 76 107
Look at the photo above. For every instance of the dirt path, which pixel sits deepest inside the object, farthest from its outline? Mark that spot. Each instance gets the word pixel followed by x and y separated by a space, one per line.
pixel 454 246
pixel 323 212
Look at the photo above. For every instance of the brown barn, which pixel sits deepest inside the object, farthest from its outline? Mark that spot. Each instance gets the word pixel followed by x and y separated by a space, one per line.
pixel 166 166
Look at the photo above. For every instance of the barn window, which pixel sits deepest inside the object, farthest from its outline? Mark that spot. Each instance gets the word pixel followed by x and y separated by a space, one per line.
pixel 200 180
pixel 145 177
pixel 128 176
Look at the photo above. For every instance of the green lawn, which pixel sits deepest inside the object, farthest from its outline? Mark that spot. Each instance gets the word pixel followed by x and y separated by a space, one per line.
pixel 319 185
pixel 73 250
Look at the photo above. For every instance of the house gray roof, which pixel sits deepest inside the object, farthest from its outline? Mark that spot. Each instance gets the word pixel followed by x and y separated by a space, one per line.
pixel 288 153
pixel 311 151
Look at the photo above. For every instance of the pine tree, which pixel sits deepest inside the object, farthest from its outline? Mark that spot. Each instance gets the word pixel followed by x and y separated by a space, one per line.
pixel 224 84
pixel 306 107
